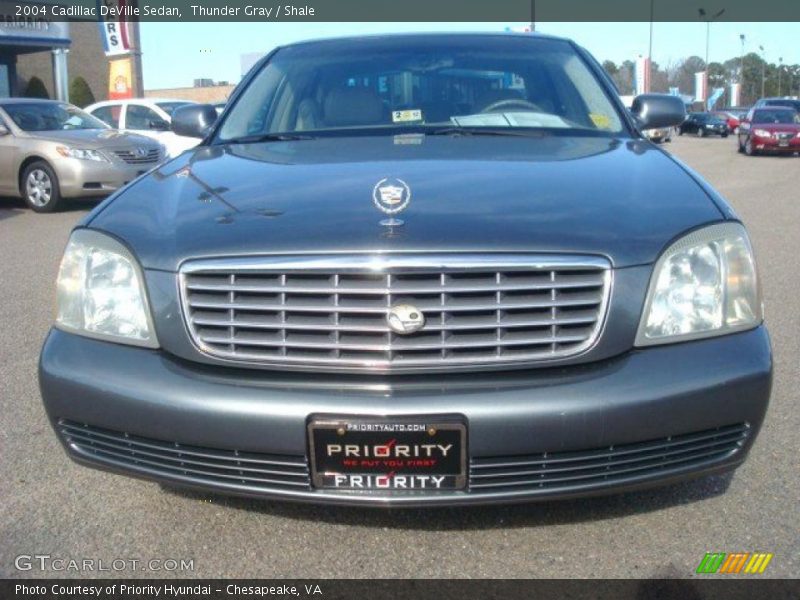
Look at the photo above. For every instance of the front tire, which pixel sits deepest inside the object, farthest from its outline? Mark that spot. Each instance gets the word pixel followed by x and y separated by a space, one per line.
pixel 748 148
pixel 701 132
pixel 39 187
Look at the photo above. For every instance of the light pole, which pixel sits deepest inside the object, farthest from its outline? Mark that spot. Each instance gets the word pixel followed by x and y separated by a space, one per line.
pixel 741 60
pixel 650 49
pixel 763 69
pixel 708 19
pixel 780 67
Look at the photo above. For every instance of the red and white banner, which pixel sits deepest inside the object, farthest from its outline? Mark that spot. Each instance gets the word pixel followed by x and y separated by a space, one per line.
pixel 700 86
pixel 642 75
pixel 736 94
pixel 114 30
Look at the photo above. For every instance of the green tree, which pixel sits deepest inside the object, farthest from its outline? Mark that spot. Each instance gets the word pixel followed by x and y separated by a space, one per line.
pixel 80 93
pixel 36 88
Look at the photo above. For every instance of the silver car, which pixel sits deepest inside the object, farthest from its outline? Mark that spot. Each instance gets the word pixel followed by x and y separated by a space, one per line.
pixel 52 150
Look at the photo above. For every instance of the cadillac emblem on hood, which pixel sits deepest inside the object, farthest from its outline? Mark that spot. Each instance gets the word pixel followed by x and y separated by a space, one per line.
pixel 391 195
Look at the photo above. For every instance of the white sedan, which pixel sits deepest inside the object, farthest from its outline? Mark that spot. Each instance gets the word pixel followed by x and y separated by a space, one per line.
pixel 146 116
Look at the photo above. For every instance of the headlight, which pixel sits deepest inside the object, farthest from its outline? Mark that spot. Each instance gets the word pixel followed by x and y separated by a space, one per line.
pixel 101 291
pixel 704 285
pixel 762 133
pixel 80 153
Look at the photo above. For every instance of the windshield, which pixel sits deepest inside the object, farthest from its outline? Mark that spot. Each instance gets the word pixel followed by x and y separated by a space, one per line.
pixel 46 116
pixel 396 84
pixel 795 104
pixel 775 116
pixel 168 107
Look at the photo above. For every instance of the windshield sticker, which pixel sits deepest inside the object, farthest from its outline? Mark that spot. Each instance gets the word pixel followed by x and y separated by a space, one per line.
pixel 601 121
pixel 406 116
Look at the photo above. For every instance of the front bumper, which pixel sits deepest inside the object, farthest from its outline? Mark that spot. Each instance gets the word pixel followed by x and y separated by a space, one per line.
pixel 648 417
pixel 78 178
pixel 771 144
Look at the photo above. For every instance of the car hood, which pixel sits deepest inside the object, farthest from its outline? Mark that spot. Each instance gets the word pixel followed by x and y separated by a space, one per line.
pixel 94 139
pixel 777 127
pixel 623 199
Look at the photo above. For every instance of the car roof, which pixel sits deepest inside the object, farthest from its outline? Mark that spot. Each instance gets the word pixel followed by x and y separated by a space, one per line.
pixel 771 107
pixel 144 100
pixel 437 36
pixel 156 100
pixel 5 101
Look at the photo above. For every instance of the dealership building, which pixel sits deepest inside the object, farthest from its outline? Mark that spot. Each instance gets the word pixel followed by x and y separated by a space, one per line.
pixel 53 52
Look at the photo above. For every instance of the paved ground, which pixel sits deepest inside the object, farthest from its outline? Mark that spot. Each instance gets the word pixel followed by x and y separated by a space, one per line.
pixel 50 506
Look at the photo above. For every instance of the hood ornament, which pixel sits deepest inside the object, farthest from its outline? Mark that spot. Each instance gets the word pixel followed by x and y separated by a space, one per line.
pixel 391 196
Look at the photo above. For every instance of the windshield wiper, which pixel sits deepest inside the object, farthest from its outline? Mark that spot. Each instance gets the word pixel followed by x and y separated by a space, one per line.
pixel 268 137
pixel 456 131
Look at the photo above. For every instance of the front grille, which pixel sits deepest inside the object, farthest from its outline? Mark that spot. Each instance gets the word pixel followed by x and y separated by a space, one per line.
pixel 134 158
pixel 612 464
pixel 316 312
pixel 179 461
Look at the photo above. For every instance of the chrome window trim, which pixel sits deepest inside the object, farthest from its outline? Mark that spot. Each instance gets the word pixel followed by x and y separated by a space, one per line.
pixel 386 263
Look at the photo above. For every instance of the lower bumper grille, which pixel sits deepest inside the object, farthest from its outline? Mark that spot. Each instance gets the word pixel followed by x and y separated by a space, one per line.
pixel 201 465
pixel 605 465
pixel 498 476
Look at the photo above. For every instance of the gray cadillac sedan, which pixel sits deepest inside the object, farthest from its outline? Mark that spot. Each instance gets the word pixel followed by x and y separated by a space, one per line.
pixel 413 270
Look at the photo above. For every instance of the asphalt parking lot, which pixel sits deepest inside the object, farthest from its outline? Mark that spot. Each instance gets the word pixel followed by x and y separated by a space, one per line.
pixel 51 506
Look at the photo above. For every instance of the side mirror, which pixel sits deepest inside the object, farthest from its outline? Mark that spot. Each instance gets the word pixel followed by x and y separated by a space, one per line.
pixel 3 130
pixel 653 111
pixel 193 120
pixel 158 125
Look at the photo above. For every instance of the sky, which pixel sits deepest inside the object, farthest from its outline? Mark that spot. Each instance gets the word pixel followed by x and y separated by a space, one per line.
pixel 174 55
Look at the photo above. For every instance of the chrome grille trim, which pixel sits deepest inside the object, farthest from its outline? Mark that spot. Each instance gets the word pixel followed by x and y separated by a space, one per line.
pixel 130 157
pixel 328 312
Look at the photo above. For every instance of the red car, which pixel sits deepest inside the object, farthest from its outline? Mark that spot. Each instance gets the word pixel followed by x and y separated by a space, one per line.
pixel 771 129
pixel 731 119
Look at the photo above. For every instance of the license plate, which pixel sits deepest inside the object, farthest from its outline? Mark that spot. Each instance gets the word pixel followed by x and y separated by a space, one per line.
pixel 783 143
pixel 390 455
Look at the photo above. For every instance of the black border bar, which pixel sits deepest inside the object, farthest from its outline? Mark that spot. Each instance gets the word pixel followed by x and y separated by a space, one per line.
pixel 696 588
pixel 406 10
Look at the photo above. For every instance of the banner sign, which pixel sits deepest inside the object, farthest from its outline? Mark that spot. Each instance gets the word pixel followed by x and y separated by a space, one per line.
pixel 700 87
pixel 642 75
pixel 120 79
pixel 736 94
pixel 113 32
pixel 716 94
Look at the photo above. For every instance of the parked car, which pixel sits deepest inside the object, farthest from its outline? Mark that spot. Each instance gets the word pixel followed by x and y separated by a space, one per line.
pixel 52 150
pixel 774 129
pixel 703 124
pixel 145 116
pixel 662 134
pixel 730 119
pixel 413 270
pixel 793 103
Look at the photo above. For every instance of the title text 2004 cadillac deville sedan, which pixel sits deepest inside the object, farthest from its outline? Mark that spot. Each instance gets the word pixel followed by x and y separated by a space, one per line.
pixel 413 270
